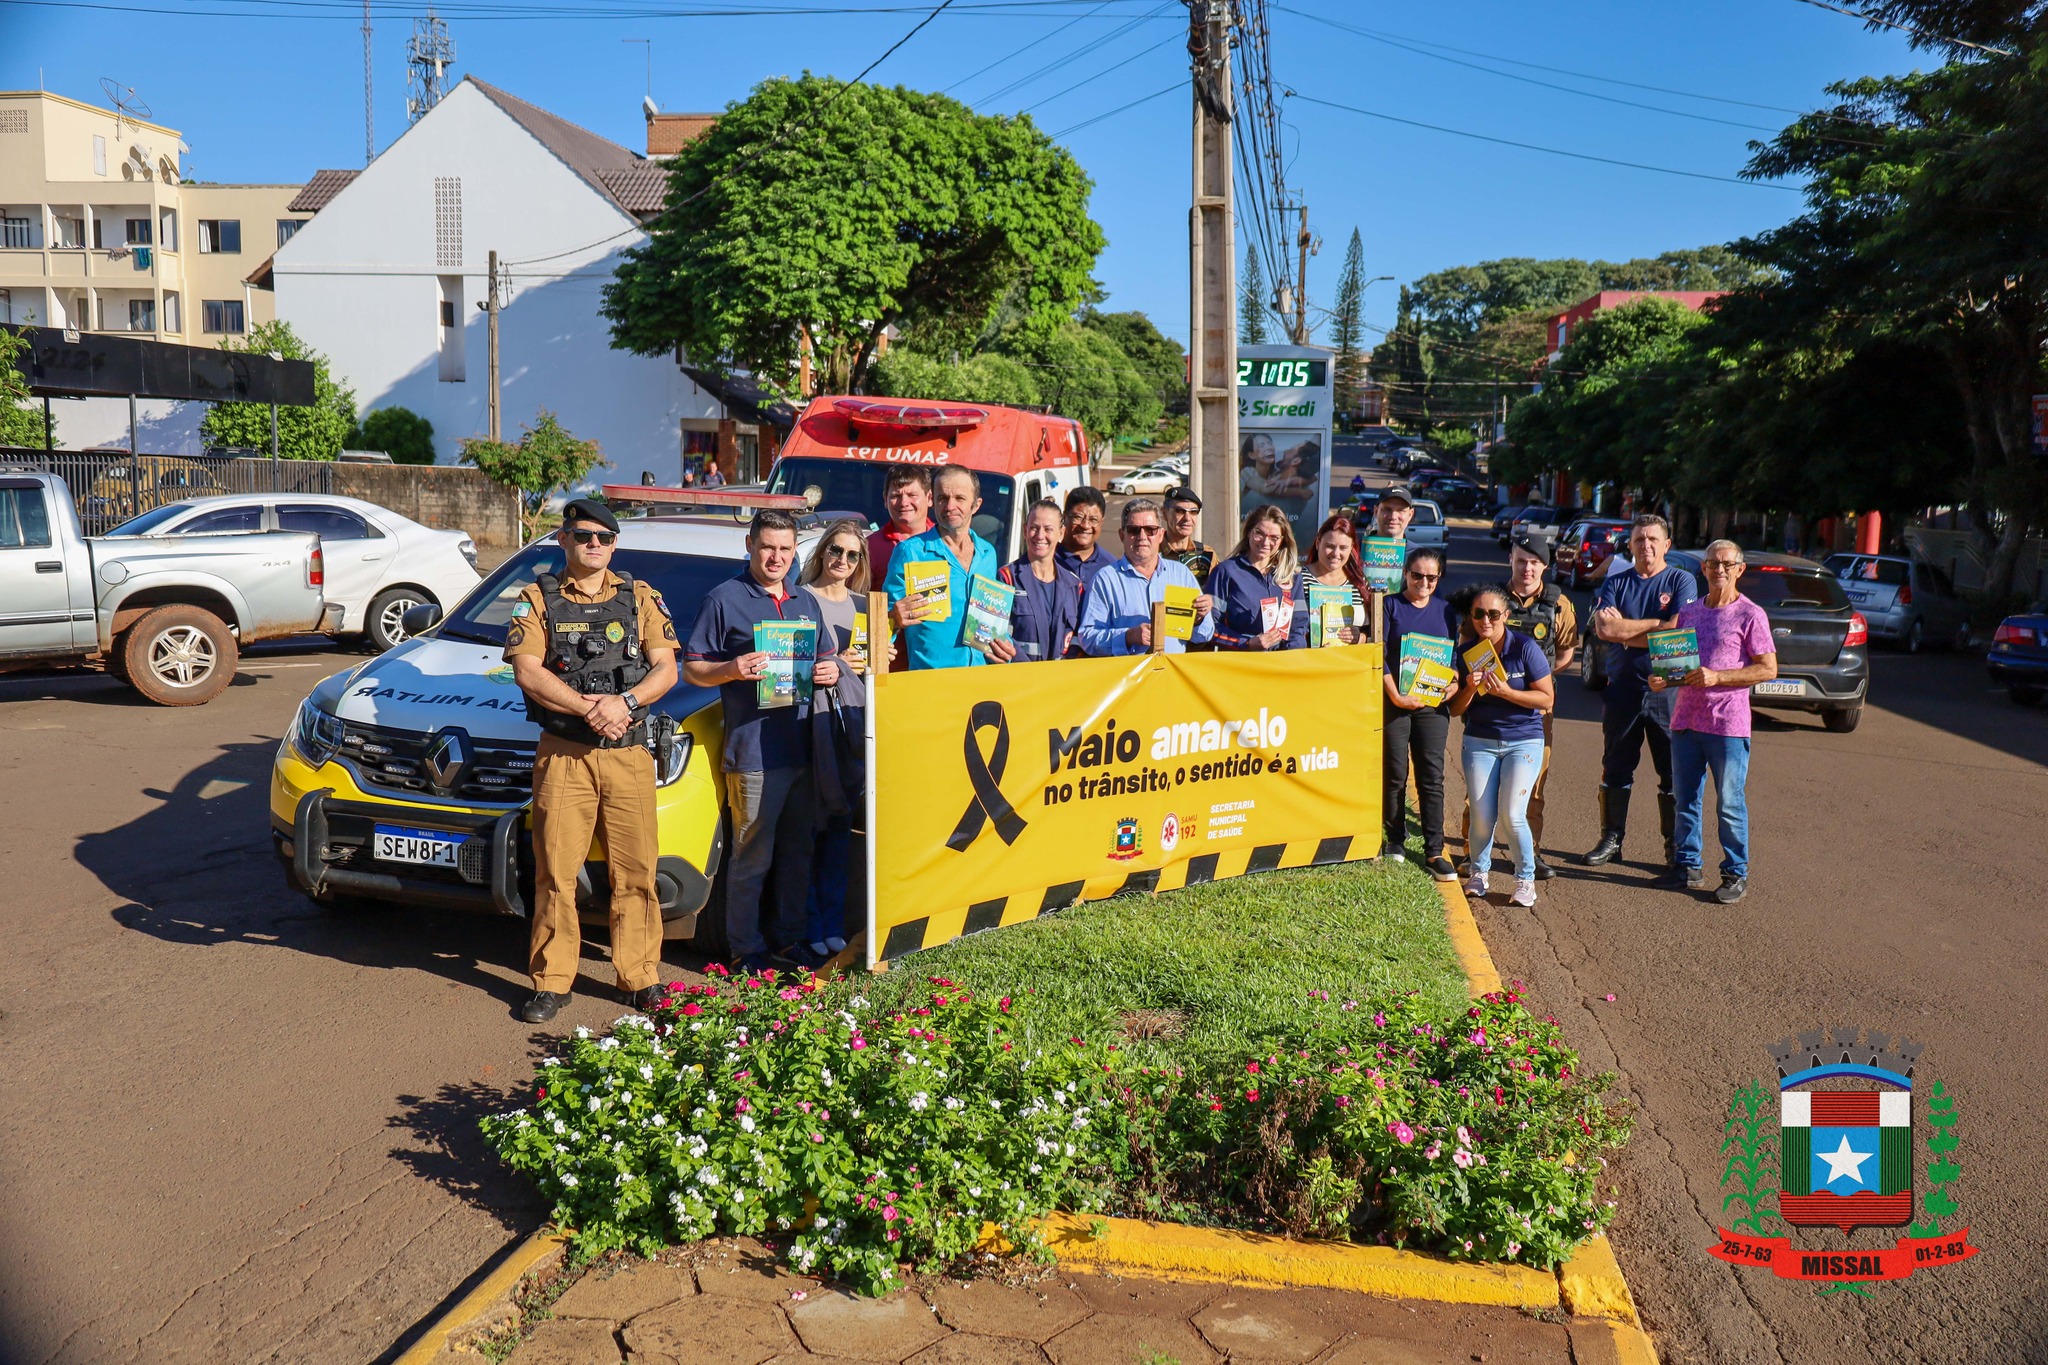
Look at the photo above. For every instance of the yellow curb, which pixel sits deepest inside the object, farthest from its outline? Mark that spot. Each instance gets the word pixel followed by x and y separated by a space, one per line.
pixel 1220 1256
pixel 1631 1345
pixel 1592 1283
pixel 525 1257
pixel 1480 976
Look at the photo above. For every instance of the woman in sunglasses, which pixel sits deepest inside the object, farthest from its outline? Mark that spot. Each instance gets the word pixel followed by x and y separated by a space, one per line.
pixel 837 576
pixel 1502 695
pixel 1416 730
pixel 1047 609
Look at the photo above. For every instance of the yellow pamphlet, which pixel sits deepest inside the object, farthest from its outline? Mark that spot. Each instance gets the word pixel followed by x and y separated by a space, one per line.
pixel 931 581
pixel 1180 611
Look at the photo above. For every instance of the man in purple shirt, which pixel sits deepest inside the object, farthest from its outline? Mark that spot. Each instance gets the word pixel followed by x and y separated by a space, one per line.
pixel 1710 722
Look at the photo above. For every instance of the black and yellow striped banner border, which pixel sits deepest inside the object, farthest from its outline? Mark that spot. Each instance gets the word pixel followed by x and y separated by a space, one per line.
pixel 933 930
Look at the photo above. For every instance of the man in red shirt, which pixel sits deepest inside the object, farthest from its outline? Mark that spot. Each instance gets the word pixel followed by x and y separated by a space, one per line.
pixel 908 496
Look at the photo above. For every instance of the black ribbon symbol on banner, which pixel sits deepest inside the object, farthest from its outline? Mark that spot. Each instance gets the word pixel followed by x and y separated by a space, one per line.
pixel 988 802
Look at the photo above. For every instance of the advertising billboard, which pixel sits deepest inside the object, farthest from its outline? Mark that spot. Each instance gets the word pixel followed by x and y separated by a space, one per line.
pixel 1284 411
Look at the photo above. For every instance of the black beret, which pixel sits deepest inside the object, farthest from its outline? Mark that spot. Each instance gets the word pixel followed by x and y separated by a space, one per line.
pixel 590 509
pixel 1184 494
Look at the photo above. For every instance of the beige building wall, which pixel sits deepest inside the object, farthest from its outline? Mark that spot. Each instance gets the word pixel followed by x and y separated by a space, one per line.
pixel 98 232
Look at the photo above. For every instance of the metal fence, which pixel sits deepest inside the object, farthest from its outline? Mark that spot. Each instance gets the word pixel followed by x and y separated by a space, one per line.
pixel 109 487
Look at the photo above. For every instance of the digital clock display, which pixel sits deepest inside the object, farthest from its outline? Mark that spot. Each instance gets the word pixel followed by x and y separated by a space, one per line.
pixel 1282 374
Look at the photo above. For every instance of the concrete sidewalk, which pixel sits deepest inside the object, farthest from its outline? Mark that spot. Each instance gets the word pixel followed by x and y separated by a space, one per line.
pixel 731 1304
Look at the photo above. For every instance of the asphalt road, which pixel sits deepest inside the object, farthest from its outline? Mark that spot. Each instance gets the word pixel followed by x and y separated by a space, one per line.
pixel 239 1128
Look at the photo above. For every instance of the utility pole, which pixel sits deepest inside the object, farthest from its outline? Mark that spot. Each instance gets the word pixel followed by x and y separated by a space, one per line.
pixel 369 108
pixel 491 342
pixel 1303 242
pixel 1212 283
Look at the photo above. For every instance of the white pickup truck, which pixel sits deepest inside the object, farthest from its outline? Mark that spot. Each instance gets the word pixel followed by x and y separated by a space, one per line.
pixel 167 617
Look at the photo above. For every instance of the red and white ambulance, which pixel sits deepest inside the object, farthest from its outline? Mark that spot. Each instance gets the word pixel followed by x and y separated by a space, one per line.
pixel 843 448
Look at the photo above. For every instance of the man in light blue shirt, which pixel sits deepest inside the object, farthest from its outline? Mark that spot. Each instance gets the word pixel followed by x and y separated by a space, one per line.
pixel 956 497
pixel 1116 616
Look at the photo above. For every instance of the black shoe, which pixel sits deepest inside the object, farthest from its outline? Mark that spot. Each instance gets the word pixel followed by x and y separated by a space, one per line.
pixel 1732 889
pixel 1606 851
pixel 803 955
pixel 647 999
pixel 544 1006
pixel 1441 869
pixel 751 963
pixel 1682 879
pixel 1544 871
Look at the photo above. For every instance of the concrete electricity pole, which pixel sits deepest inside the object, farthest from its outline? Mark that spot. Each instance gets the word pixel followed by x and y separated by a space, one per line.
pixel 491 347
pixel 1212 282
pixel 1305 242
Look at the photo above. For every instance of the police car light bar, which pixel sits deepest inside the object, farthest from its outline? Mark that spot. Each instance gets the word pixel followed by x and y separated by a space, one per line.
pixel 640 495
pixel 896 413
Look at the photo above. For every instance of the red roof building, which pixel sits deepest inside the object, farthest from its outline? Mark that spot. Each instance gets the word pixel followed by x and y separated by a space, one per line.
pixel 1562 327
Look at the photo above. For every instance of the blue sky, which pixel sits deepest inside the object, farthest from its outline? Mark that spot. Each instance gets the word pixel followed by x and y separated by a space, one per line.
pixel 264 97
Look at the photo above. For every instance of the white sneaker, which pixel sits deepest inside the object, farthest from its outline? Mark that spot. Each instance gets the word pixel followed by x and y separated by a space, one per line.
pixel 1475 886
pixel 1397 857
pixel 1525 892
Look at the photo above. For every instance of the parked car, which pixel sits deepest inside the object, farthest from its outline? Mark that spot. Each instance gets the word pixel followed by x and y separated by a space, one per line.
pixel 1515 519
pixel 2019 655
pixel 1823 641
pixel 1908 602
pixel 380 565
pixel 1428 529
pixel 1585 547
pixel 1150 479
pixel 1457 494
pixel 167 618
pixel 1505 518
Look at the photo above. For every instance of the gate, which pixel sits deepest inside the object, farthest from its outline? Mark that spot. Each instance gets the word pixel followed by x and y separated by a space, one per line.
pixel 110 487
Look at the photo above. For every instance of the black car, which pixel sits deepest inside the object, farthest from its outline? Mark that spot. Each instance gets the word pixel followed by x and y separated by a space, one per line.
pixel 1512 521
pixel 1823 641
pixel 1454 494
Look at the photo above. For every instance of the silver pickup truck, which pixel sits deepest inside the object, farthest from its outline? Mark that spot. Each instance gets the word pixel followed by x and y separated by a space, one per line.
pixel 167 617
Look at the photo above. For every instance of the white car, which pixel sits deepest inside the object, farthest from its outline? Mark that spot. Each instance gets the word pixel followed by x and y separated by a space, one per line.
pixel 1428 530
pixel 379 563
pixel 1151 479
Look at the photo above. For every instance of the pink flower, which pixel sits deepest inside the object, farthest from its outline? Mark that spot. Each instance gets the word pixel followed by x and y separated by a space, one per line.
pixel 858 1043
pixel 817 1137
pixel 1403 1134
pixel 891 1214
pixel 1436 1149
pixel 741 1106
pixel 1252 1067
pixel 1462 1157
pixel 1343 1101
pixel 693 1008
pixel 1252 1095
pixel 893 1234
pixel 1379 1019
pixel 788 992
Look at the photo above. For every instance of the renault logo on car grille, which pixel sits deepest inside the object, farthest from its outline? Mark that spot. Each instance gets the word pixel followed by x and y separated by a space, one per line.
pixel 446 757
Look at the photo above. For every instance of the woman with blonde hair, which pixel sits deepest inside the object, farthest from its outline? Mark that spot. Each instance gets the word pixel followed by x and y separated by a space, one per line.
pixel 1254 588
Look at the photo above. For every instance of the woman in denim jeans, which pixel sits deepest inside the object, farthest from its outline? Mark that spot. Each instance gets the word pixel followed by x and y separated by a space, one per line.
pixel 1502 703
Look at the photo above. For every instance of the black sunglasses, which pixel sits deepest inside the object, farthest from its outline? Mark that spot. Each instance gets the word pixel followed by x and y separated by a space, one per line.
pixel 1481 614
pixel 841 552
pixel 600 537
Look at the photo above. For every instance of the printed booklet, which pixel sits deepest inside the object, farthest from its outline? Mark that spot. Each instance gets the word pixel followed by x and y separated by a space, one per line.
pixel 1674 653
pixel 1383 556
pixel 792 648
pixel 1180 610
pixel 930 580
pixel 1484 658
pixel 1337 617
pixel 1428 668
pixel 1321 597
pixel 987 618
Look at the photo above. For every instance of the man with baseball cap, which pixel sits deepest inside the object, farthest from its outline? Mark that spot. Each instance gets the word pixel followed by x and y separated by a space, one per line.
pixel 1183 515
pixel 1392 513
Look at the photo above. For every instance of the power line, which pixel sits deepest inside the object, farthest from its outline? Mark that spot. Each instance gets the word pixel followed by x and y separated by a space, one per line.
pixel 1015 53
pixel 1121 108
pixel 1908 28
pixel 1532 147
pixel 330 9
pixel 1104 72
pixel 1128 26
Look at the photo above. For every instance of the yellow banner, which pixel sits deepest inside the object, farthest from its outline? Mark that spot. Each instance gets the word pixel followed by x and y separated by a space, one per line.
pixel 1003 792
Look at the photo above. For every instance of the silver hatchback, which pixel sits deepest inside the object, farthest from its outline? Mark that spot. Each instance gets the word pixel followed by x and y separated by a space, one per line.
pixel 1908 602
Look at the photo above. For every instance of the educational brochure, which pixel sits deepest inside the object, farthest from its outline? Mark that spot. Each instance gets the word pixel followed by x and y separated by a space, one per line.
pixel 930 580
pixel 1383 556
pixel 1428 669
pixel 1320 597
pixel 1484 658
pixel 1180 611
pixel 1674 653
pixel 791 647
pixel 987 618
pixel 1337 617
pixel 1276 613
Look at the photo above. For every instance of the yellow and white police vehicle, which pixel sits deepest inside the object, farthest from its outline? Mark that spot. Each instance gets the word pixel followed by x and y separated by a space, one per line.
pixel 409 778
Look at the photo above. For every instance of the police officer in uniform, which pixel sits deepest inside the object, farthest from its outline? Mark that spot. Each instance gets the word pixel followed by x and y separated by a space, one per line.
pixel 592 650
pixel 1542 612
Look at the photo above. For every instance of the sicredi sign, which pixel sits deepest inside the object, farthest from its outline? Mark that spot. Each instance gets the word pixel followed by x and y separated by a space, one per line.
pixel 1284 407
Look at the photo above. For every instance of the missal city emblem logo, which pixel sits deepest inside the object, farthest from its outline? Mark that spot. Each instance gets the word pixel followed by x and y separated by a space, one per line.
pixel 1833 1150
pixel 1129 842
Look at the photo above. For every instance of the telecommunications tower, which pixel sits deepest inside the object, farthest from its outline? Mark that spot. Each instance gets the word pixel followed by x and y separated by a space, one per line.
pixel 428 55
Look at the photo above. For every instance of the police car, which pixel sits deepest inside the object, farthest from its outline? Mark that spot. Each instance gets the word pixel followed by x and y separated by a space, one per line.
pixel 408 778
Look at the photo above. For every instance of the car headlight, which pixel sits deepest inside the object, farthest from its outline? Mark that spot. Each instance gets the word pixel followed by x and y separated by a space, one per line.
pixel 316 733
pixel 671 769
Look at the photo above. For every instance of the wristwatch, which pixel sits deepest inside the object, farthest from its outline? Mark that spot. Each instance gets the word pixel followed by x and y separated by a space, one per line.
pixel 634 705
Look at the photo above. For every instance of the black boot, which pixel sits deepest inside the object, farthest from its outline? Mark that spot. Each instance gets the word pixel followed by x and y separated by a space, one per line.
pixel 1613 825
pixel 1667 818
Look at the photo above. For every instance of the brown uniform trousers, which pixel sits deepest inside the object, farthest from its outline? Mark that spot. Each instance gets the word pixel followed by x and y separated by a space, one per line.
pixel 579 789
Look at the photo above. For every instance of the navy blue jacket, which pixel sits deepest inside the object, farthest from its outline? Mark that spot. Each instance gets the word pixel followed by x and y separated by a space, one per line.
pixel 1240 592
pixel 1050 636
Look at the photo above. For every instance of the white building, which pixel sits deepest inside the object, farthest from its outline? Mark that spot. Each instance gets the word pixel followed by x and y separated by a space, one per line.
pixel 387 280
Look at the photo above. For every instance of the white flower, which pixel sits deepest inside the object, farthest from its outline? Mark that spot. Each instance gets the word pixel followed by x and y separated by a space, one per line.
pixel 707 1175
pixel 596 1103
pixel 608 1045
pixel 919 1100
pixel 859 1002
pixel 974 1190
pixel 995 1104
pixel 825 1075
pixel 646 1072
pixel 569 1181
pixel 561 1127
pixel 955 1102
pixel 658 1121
pixel 747 1123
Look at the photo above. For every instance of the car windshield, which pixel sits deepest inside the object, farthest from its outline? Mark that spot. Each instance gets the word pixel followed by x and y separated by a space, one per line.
pixel 1427 514
pixel 856 486
pixel 682 581
pixel 150 520
pixel 1890 572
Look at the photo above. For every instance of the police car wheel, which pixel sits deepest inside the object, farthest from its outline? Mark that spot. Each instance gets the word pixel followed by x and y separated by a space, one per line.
pixel 384 621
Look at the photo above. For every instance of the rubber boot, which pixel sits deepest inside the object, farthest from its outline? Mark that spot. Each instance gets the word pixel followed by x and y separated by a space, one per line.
pixel 1667 818
pixel 1613 825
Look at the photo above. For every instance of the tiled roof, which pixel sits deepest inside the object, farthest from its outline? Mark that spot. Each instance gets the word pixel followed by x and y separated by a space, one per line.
pixel 598 160
pixel 320 191
pixel 668 134
pixel 639 189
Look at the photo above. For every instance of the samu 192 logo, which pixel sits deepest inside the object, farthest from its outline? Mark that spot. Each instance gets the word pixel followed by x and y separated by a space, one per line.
pixel 1834 1148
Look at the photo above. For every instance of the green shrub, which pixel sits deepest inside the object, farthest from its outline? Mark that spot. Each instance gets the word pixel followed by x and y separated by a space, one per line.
pixel 401 433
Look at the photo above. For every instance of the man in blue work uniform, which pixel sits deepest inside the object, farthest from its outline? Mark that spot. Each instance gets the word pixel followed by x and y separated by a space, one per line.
pixel 1629 605
pixel 1081 551
pixel 1116 616
pixel 936 643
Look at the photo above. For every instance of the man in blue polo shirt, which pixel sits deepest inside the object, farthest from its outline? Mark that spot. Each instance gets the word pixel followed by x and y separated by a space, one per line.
pixel 1081 549
pixel 768 784
pixel 1116 616
pixel 1629 605
pixel 930 642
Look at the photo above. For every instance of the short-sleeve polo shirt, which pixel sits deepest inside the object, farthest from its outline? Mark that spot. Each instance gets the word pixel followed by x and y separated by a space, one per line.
pixel 936 644
pixel 755 740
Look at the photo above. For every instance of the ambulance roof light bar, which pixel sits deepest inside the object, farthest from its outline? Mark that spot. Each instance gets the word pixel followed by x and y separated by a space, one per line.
pixel 625 495
pixel 897 413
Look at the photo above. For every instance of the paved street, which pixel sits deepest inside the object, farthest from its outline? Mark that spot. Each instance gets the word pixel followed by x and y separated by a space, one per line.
pixel 241 1129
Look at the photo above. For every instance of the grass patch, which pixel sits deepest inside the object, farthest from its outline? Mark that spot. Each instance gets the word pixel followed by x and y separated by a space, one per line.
pixel 1205 976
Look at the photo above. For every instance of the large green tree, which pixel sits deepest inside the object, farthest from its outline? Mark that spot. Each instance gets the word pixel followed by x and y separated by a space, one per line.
pixel 1347 327
pixel 1155 355
pixel 814 208
pixel 319 432
pixel 21 421
pixel 1079 371
pixel 1251 300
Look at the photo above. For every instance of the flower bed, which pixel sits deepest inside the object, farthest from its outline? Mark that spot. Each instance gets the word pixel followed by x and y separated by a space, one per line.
pixel 875 1134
